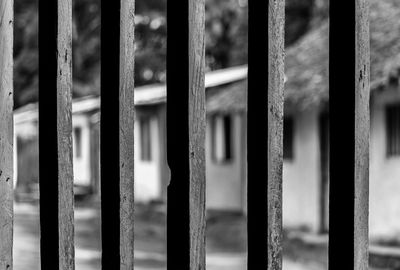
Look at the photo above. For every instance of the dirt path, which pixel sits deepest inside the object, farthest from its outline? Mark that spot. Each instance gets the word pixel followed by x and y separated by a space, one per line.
pixel 150 247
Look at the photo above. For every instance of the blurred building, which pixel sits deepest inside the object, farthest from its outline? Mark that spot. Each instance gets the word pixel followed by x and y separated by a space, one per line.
pixel 306 133
pixel 307 72
pixel 151 170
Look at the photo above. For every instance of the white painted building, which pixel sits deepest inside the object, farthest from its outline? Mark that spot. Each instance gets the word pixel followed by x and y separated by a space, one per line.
pixel 305 169
pixel 151 170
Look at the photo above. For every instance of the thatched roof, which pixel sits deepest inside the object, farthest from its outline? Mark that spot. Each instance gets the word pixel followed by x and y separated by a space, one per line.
pixel 306 66
pixel 307 61
pixel 228 98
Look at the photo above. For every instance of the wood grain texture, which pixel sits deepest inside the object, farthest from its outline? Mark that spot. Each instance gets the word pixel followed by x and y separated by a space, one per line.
pixel 197 129
pixel 362 135
pixel 64 137
pixel 126 133
pixel 275 130
pixel 6 134
pixel 64 132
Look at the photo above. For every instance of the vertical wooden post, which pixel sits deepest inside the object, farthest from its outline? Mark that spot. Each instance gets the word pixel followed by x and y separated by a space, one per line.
pixel 186 135
pixel 64 136
pixel 55 135
pixel 126 133
pixel 265 137
pixel 6 133
pixel 349 151
pixel 362 136
pixel 117 133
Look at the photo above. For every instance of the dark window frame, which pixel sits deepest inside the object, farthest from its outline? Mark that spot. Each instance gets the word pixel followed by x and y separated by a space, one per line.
pixel 78 141
pixel 288 138
pixel 145 139
pixel 392 115
pixel 228 138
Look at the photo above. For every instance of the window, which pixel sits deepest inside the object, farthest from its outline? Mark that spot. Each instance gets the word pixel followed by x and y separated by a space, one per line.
pixel 288 125
pixel 393 130
pixel 78 142
pixel 145 139
pixel 221 128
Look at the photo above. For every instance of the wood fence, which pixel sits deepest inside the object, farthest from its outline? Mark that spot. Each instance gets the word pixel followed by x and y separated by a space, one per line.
pixel 349 97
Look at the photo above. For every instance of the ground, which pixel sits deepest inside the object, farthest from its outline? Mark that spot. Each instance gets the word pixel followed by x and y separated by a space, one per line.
pixel 226 241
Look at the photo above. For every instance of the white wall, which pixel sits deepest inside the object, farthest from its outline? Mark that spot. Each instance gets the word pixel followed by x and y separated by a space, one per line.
pixel 25 130
pixel 81 164
pixel 224 187
pixel 147 173
pixel 29 129
pixel 226 183
pixel 301 175
pixel 384 173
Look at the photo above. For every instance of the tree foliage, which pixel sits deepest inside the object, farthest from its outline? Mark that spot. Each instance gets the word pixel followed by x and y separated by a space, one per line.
pixel 226 41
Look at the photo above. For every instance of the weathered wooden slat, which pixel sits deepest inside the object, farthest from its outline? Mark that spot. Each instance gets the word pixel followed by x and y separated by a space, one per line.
pixel 64 132
pixel 6 133
pixel 362 136
pixel 110 134
pixel 197 135
pixel 275 130
pixel 186 135
pixel 349 135
pixel 265 137
pixel 55 135
pixel 126 133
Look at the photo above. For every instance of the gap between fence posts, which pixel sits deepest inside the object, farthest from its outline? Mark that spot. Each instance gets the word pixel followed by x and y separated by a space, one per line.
pixel 110 135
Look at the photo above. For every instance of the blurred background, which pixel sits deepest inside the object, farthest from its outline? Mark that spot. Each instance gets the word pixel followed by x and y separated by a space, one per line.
pixel 306 134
